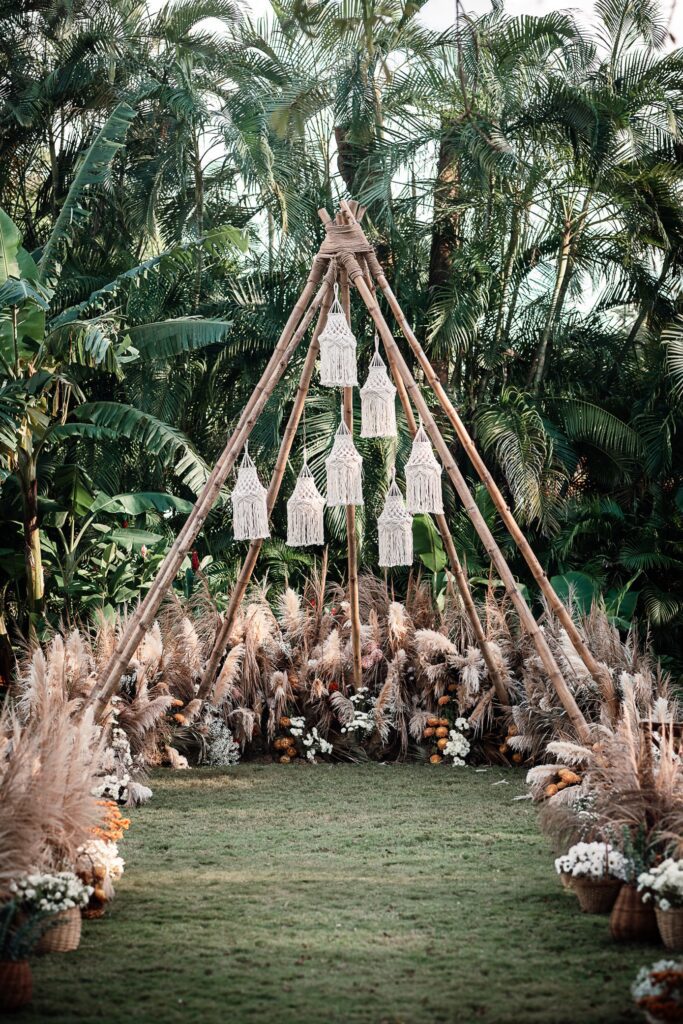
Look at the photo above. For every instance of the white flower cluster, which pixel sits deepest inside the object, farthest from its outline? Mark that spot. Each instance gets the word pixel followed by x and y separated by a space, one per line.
pixel 51 894
pixel 117 763
pixel 363 721
pixel 297 726
pixel 99 854
pixel 593 860
pixel 664 884
pixel 315 744
pixel 458 746
pixel 221 748
pixel 645 986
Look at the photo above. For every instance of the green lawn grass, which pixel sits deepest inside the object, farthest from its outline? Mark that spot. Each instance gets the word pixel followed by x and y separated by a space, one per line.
pixel 398 894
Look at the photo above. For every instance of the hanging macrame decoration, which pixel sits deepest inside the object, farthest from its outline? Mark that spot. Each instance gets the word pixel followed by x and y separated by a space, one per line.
pixel 377 405
pixel 249 509
pixel 337 349
pixel 305 512
pixel 423 477
pixel 395 529
pixel 344 470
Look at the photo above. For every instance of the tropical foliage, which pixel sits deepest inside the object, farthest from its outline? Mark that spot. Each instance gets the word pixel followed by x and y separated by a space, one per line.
pixel 162 168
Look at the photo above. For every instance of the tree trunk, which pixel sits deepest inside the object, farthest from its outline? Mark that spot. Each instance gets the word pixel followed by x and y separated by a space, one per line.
pixel 445 229
pixel 559 291
pixel 35 588
pixel 199 219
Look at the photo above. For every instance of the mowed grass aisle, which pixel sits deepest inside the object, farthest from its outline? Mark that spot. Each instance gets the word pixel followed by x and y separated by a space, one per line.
pixel 309 895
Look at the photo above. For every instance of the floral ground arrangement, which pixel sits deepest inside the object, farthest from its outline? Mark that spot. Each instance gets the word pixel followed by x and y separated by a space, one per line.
pixel 283 722
pixel 295 896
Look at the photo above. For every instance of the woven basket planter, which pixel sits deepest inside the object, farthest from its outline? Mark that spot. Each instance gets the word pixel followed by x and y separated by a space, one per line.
pixel 16 985
pixel 632 920
pixel 670 923
pixel 63 933
pixel 596 895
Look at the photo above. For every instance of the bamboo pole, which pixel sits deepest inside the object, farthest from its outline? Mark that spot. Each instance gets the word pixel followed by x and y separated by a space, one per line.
pixel 457 570
pixel 251 558
pixel 350 510
pixel 596 669
pixel 526 618
pixel 142 620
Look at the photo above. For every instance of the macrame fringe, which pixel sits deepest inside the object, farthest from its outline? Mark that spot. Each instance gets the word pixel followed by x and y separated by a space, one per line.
pixel 337 349
pixel 423 490
pixel 344 485
pixel 423 477
pixel 305 526
pixel 249 508
pixel 395 530
pixel 338 365
pixel 250 518
pixel 377 401
pixel 344 470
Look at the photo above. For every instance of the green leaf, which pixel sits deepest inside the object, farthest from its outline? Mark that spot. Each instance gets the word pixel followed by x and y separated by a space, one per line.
pixel 428 545
pixel 137 504
pixel 10 242
pixel 93 170
pixel 132 538
pixel 582 588
pixel 172 337
pixel 157 438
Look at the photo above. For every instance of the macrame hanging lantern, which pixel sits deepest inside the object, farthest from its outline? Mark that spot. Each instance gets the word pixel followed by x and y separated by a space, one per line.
pixel 395 529
pixel 423 477
pixel 305 512
pixel 344 470
pixel 249 509
pixel 377 400
pixel 337 349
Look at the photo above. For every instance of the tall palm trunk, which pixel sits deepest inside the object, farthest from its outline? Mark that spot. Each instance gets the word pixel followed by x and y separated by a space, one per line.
pixel 199 216
pixel 445 229
pixel 538 365
pixel 35 586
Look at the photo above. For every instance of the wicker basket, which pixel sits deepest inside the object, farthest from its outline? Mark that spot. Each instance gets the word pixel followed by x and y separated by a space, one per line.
pixel 632 920
pixel 596 895
pixel 566 881
pixel 63 933
pixel 670 924
pixel 16 985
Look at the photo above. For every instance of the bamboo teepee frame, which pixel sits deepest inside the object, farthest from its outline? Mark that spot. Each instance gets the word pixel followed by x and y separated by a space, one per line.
pixel 346 255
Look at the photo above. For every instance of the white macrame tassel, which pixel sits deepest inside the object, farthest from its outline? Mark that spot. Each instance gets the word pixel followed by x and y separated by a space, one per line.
pixel 305 512
pixel 423 477
pixel 249 509
pixel 344 470
pixel 337 349
pixel 395 529
pixel 377 400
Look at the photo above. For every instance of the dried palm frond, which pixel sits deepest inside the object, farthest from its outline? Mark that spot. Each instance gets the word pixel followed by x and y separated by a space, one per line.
pixel 393 708
pixel 151 650
pixel 291 615
pixel 331 663
pixel 343 707
pixel 142 715
pixel 472 669
pixel 47 774
pixel 224 688
pixel 418 722
pixel 572 754
pixel 399 627
pixel 245 720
